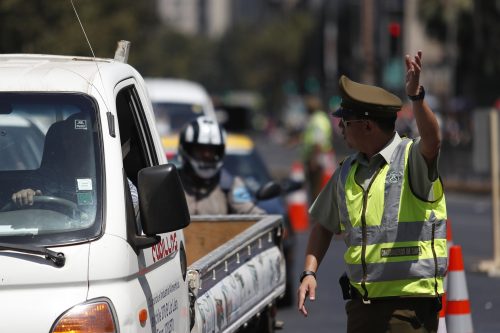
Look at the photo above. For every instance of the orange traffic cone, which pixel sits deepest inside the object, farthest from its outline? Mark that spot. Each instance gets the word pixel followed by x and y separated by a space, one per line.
pixel 442 313
pixel 297 201
pixel 329 163
pixel 458 314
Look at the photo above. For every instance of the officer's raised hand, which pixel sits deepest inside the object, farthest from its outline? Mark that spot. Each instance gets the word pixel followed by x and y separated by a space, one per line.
pixel 413 69
pixel 428 126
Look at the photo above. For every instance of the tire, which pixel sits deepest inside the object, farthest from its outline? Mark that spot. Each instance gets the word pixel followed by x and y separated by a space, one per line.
pixel 265 322
pixel 262 324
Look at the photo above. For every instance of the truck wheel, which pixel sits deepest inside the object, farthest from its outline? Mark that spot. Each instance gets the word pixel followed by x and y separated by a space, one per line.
pixel 262 324
pixel 265 323
pixel 287 299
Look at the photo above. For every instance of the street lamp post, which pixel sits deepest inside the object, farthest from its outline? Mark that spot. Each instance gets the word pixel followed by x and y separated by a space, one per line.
pixel 492 267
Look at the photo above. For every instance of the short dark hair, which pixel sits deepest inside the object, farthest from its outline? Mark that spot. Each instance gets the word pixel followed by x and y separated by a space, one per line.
pixel 386 124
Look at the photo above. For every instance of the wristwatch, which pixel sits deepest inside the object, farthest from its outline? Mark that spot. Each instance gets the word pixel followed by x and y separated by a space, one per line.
pixel 420 96
pixel 306 273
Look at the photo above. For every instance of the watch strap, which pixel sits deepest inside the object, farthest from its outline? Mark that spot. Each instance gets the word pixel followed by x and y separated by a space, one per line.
pixel 307 273
pixel 420 96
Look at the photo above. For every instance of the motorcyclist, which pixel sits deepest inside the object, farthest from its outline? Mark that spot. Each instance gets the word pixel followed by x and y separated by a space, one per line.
pixel 209 188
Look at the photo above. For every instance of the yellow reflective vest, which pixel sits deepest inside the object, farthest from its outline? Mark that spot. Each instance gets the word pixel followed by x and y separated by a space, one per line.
pixel 317 132
pixel 396 241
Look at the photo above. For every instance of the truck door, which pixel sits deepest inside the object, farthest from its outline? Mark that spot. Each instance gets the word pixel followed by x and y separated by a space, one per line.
pixel 162 266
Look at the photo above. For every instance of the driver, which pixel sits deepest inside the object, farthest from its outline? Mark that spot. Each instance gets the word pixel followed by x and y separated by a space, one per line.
pixel 67 152
pixel 209 188
pixel 68 155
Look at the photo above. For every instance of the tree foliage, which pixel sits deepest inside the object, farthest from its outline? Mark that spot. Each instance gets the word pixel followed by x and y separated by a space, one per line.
pixel 258 58
pixel 478 33
pixel 264 57
pixel 40 26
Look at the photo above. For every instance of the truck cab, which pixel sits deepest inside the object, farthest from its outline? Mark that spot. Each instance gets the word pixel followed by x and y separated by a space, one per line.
pixel 76 253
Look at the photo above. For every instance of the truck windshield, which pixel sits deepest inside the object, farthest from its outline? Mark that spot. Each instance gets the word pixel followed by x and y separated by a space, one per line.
pixel 50 168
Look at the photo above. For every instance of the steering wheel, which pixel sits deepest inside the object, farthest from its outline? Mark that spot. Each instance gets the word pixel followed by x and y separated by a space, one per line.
pixel 64 205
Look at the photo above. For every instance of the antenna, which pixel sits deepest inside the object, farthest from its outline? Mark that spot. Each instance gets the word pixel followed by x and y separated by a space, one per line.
pixel 122 49
pixel 111 123
pixel 84 33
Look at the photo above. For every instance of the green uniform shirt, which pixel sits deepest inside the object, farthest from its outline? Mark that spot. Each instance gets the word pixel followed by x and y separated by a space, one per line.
pixel 325 211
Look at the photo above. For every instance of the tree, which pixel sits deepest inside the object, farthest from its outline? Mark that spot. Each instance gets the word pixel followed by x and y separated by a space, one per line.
pixel 477 62
pixel 259 57
pixel 39 26
pixel 263 57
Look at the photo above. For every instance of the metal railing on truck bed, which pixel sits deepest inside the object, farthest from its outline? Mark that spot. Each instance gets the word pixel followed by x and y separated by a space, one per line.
pixel 236 270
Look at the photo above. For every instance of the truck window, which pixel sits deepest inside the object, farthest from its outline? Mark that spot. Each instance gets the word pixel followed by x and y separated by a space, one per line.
pixel 137 144
pixel 50 145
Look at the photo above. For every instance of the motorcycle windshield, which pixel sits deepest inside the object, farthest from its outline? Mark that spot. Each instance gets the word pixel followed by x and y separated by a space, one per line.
pixel 50 168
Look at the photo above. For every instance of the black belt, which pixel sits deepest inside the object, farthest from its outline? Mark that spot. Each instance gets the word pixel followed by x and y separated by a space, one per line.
pixel 350 292
pixel 432 300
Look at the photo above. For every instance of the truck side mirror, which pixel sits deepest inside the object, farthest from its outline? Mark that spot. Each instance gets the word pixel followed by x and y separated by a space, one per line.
pixel 162 201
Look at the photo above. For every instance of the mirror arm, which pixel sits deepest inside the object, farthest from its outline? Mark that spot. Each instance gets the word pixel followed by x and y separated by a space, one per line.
pixel 142 242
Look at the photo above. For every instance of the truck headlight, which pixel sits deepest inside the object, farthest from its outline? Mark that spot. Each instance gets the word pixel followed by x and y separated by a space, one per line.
pixel 94 317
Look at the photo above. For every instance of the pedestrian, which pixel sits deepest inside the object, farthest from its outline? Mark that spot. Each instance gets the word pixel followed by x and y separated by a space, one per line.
pixel 388 203
pixel 209 188
pixel 317 146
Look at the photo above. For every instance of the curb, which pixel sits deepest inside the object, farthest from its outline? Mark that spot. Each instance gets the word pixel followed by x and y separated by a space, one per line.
pixel 467 186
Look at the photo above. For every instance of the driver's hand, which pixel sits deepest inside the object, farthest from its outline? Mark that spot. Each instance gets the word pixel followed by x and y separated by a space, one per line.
pixel 25 196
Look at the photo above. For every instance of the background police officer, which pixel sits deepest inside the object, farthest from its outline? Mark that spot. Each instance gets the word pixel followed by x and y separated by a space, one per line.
pixel 317 146
pixel 388 202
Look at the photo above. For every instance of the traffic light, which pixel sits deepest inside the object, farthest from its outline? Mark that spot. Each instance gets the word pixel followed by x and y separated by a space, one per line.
pixel 394 38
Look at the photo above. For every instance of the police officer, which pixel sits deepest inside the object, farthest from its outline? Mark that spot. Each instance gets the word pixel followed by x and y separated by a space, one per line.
pixel 387 201
pixel 209 188
pixel 316 146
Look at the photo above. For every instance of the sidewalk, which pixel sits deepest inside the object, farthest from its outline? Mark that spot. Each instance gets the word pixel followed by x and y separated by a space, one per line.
pixel 455 184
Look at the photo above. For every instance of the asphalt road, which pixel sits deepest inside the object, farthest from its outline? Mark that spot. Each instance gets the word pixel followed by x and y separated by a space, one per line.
pixel 471 229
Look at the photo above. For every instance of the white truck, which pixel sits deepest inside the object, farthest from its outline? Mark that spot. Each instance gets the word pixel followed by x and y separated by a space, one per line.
pixel 76 253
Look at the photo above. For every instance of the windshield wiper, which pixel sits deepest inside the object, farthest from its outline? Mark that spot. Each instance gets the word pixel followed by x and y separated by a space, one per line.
pixel 57 258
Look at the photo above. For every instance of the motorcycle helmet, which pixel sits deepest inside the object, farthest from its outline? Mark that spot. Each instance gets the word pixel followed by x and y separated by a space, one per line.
pixel 201 147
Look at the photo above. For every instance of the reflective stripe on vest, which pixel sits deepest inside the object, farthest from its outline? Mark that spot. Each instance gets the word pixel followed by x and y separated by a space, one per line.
pixel 396 241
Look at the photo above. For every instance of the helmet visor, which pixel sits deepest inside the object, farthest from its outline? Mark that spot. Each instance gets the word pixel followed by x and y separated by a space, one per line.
pixel 206 153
